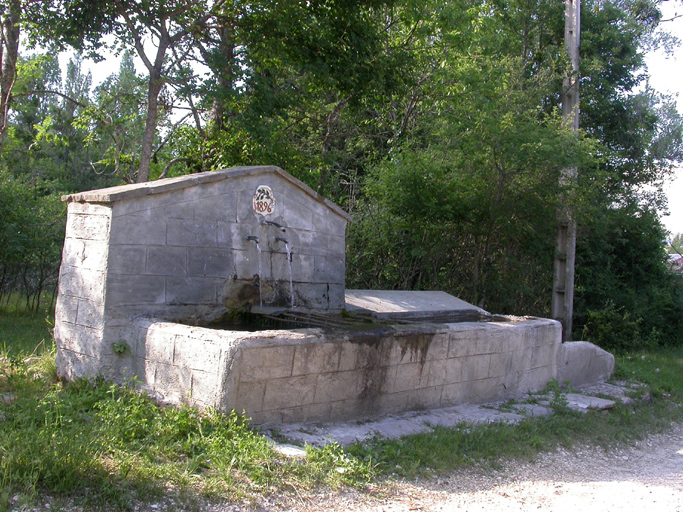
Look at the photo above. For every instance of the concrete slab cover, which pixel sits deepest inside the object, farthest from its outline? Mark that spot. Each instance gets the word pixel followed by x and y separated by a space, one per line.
pixel 388 304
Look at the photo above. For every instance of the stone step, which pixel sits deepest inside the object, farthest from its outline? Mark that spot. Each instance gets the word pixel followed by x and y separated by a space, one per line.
pixel 398 425
pixel 583 403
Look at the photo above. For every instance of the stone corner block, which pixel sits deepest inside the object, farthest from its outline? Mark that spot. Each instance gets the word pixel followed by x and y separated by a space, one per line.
pixel 581 363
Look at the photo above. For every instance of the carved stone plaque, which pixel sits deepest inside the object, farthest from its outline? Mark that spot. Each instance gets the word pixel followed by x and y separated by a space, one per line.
pixel 264 200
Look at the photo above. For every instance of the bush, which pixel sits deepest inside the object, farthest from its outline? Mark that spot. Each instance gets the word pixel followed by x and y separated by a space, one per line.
pixel 627 296
pixel 32 223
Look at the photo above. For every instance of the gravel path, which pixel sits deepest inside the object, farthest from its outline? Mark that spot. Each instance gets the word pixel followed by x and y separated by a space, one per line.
pixel 647 476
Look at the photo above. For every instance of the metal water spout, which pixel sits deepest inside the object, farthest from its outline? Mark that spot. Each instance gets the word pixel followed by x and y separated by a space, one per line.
pixel 289 263
pixel 275 224
pixel 255 239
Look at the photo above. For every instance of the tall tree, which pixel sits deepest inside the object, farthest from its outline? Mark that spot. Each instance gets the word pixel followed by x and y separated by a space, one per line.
pixel 116 122
pixel 281 75
pixel 159 31
pixel 32 122
pixel 9 52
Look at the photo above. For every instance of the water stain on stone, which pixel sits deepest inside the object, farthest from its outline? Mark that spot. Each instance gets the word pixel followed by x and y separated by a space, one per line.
pixel 417 342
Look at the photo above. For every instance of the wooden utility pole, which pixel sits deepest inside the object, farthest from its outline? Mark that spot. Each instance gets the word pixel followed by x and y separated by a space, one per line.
pixel 562 308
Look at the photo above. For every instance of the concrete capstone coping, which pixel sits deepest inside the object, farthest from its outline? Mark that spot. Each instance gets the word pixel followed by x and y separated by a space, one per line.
pixel 119 193
pixel 398 304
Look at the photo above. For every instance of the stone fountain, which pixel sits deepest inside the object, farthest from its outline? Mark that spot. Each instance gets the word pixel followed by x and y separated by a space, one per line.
pixel 148 268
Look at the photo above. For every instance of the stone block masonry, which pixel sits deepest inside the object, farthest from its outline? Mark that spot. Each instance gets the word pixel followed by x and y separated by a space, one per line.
pixel 79 311
pixel 311 375
pixel 177 249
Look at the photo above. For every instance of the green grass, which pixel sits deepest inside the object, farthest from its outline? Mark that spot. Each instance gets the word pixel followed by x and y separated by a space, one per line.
pixel 23 333
pixel 109 447
pixel 19 332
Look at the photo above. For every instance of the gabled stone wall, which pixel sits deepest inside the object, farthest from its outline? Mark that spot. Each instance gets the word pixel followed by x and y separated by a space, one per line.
pixel 178 250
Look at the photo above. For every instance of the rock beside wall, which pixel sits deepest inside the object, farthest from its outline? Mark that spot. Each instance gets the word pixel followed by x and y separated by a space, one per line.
pixel 580 363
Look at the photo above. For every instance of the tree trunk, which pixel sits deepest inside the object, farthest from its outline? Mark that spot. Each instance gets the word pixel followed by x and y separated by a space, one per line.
pixel 155 85
pixel 9 49
pixel 225 77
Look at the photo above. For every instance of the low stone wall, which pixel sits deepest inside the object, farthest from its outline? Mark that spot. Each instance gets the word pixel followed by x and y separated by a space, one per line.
pixel 308 375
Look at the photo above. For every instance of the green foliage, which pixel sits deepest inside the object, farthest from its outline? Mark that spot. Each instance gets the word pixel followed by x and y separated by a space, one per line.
pixel 659 370
pixel 435 124
pixel 114 124
pixel 558 401
pixel 675 244
pixel 466 209
pixel 24 334
pixel 119 445
pixel 613 328
pixel 31 235
pixel 49 134
pixel 121 347
pixel 627 295
pixel 335 466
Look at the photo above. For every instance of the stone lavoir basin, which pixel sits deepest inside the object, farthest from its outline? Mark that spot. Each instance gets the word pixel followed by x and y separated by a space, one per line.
pixel 148 268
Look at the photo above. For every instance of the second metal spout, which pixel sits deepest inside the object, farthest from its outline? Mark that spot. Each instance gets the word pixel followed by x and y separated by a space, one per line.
pixel 271 223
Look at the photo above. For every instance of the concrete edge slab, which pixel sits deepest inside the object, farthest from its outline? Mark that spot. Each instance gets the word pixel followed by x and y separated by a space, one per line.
pixel 399 425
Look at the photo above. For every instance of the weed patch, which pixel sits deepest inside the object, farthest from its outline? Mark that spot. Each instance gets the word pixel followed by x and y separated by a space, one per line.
pixel 108 446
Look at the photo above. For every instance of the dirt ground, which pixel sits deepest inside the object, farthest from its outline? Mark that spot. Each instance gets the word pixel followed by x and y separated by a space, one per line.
pixel 647 476
pixel 643 477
